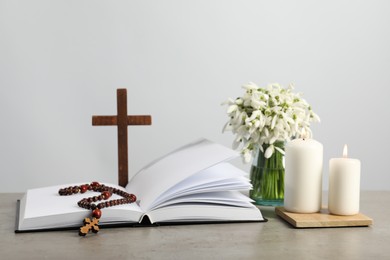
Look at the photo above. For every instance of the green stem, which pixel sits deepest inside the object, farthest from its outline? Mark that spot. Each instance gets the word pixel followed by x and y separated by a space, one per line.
pixel 267 176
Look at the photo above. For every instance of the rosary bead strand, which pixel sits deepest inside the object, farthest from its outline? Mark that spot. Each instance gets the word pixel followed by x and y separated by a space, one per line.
pixel 88 203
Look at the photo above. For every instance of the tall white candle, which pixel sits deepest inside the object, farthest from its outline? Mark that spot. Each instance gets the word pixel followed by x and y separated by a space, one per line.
pixel 303 176
pixel 344 185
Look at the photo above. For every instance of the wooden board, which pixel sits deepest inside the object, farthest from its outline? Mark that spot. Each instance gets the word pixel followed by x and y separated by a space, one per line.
pixel 322 219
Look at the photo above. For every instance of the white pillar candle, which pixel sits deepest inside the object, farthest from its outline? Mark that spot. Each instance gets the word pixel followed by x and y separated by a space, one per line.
pixel 344 185
pixel 303 176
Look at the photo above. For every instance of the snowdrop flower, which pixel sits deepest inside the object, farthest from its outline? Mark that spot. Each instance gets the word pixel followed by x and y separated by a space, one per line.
pixel 264 116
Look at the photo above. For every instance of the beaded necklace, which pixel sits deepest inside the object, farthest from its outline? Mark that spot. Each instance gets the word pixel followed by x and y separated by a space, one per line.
pixel 88 203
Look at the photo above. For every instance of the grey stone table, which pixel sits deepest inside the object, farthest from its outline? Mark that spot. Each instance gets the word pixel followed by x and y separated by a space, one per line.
pixel 272 240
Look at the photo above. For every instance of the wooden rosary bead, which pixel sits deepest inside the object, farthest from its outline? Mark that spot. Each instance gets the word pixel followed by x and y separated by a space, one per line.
pixel 133 198
pixel 106 195
pixel 83 188
pixel 96 213
pixel 95 184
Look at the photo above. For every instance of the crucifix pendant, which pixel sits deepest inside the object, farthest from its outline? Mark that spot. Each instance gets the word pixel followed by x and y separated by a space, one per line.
pixel 89 225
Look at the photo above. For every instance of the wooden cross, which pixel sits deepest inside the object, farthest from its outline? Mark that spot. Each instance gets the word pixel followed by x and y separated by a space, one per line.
pixel 122 120
pixel 89 225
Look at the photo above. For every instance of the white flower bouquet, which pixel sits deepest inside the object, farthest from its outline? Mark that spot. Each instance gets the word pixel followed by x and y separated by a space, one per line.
pixel 263 119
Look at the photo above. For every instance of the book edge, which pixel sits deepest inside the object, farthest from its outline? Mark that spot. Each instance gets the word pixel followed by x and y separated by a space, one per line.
pixel 143 223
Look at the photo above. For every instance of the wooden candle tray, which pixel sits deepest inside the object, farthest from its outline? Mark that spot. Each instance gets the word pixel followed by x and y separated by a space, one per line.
pixel 322 219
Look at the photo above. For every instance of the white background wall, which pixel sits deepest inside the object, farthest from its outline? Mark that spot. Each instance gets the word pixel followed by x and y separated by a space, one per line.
pixel 61 62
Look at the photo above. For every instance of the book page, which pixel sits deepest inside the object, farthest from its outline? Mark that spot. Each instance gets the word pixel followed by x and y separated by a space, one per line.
pixel 228 198
pixel 220 177
pixel 202 212
pixel 153 180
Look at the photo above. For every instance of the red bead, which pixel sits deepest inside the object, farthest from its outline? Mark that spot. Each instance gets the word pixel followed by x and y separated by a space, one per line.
pixel 96 213
pixel 83 188
pixel 95 184
pixel 133 197
pixel 106 195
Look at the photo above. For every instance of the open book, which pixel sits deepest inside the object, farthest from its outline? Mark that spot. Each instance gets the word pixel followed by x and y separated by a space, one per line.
pixel 193 184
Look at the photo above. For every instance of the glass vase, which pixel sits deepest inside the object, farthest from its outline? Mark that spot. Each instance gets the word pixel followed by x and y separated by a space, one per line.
pixel 267 178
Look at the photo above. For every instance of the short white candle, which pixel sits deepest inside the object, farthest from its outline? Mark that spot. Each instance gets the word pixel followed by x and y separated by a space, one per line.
pixel 303 176
pixel 344 185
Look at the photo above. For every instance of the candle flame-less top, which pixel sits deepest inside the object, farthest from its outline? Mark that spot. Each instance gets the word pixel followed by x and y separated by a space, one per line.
pixel 345 151
pixel 303 134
